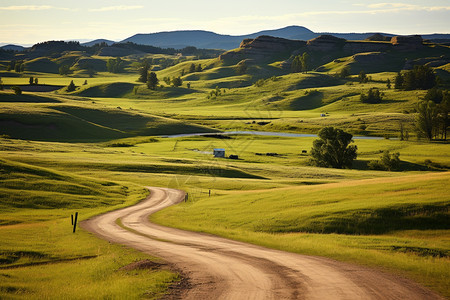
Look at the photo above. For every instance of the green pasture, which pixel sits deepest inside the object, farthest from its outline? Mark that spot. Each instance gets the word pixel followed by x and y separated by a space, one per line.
pixel 96 148
pixel 408 214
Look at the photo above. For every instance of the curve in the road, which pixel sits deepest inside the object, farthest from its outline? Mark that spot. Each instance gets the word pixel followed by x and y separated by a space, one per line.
pixel 219 268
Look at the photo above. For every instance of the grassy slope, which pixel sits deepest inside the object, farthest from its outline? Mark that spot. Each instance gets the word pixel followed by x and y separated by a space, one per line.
pixel 406 205
pixel 292 102
pixel 80 121
pixel 38 245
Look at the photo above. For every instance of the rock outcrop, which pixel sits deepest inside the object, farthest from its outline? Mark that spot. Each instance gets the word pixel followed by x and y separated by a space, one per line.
pixel 261 48
pixel 370 58
pixel 433 62
pixel 411 42
pixel 325 43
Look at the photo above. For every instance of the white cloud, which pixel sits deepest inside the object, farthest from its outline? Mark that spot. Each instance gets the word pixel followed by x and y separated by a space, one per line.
pixel 118 8
pixel 405 6
pixel 27 7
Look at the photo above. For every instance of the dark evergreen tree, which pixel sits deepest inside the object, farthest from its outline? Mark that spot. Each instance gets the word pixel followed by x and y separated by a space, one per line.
pixel 152 81
pixel 362 77
pixel 398 81
pixel 71 87
pixel 143 72
pixel 192 68
pixel 419 78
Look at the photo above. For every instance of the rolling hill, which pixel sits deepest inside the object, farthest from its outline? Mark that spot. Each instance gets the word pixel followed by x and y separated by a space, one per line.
pixel 210 40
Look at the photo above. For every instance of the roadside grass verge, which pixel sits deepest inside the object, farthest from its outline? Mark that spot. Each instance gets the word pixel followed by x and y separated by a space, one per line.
pixel 398 224
pixel 46 260
pixel 40 257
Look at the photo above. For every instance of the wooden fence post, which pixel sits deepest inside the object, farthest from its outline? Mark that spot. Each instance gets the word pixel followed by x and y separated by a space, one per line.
pixel 75 222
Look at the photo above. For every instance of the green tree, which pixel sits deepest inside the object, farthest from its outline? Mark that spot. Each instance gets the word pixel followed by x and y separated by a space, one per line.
pixel 333 149
pixel 17 67
pixel 17 90
pixel 305 62
pixel 1 84
pixel 362 77
pixel 36 81
pixel 152 81
pixel 419 78
pixel 437 95
pixel 426 118
pixel 115 65
pixel 388 83
pixel 398 81
pixel 31 80
pixel 296 66
pixel 71 87
pixel 192 68
pixel 10 66
pixel 387 162
pixel 300 63
pixel 373 96
pixel 177 81
pixel 199 68
pixel 143 71
pixel 188 85
pixel 443 120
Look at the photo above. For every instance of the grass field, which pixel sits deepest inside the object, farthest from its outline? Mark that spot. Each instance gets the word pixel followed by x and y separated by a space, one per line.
pixel 94 149
pixel 398 224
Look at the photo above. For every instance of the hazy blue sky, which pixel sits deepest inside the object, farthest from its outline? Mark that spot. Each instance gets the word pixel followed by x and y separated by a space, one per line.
pixel 31 21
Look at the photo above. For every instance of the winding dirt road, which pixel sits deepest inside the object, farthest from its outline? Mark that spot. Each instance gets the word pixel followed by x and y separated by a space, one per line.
pixel 218 268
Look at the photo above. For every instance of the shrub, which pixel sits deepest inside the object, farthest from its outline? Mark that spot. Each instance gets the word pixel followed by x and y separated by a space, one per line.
pixel 387 162
pixel 373 96
pixel 17 90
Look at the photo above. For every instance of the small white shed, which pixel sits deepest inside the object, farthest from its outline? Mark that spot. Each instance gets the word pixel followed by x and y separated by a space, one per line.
pixel 219 152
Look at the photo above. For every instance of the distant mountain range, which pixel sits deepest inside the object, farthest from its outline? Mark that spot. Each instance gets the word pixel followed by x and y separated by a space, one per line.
pixel 210 40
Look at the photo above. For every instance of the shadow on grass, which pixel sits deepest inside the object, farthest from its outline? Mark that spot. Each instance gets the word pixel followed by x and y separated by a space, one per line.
pixel 404 166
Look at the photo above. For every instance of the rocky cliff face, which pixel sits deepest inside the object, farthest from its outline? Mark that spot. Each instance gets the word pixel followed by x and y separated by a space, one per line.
pixel 263 47
pixel 412 42
pixel 325 43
